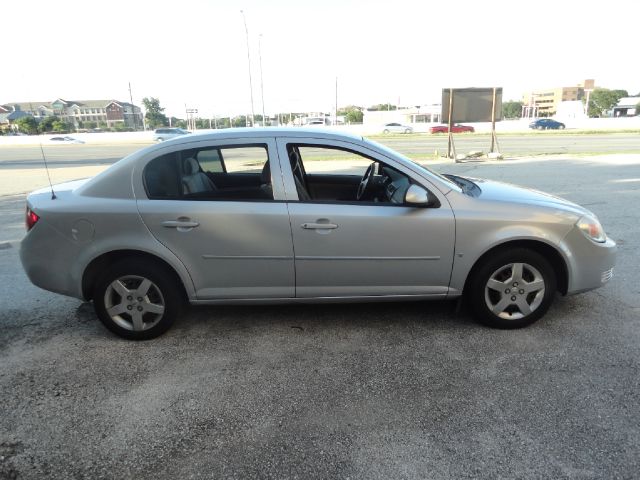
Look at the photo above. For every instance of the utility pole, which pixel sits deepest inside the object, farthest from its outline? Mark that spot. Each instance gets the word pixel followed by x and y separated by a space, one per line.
pixel 261 82
pixel 246 31
pixel 335 119
pixel 133 110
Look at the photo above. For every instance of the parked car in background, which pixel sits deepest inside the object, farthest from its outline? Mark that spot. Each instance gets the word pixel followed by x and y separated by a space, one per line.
pixel 162 134
pixel 276 215
pixel 65 139
pixel 396 128
pixel 546 124
pixel 456 128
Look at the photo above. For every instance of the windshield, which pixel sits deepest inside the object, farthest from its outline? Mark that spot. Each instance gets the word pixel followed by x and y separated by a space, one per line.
pixel 394 153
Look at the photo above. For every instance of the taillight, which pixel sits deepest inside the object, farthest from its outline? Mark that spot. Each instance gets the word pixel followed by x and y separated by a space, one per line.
pixel 31 219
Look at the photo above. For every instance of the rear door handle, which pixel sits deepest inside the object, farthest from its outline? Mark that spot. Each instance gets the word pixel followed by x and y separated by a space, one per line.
pixel 182 225
pixel 319 226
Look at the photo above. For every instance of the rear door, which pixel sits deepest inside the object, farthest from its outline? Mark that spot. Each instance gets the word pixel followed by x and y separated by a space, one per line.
pixel 234 244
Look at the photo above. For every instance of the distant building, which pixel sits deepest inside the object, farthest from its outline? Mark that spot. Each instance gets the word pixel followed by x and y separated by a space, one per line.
pixel 407 115
pixel 545 103
pixel 627 107
pixel 8 116
pixel 570 110
pixel 77 112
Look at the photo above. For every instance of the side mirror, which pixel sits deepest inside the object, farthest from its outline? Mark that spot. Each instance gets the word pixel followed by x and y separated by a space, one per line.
pixel 417 196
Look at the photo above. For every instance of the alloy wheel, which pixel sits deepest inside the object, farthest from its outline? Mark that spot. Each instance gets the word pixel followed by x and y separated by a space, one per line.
pixel 134 303
pixel 514 291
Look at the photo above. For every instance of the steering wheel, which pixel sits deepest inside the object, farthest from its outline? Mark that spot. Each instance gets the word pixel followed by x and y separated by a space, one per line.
pixel 366 184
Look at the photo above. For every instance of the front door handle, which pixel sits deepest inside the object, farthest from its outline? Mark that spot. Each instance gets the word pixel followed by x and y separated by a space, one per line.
pixel 181 224
pixel 319 226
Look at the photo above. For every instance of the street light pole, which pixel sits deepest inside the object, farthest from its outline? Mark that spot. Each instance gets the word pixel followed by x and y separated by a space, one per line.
pixel 246 31
pixel 261 82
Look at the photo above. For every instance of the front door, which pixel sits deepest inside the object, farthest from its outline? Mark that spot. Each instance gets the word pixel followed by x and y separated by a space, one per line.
pixel 364 247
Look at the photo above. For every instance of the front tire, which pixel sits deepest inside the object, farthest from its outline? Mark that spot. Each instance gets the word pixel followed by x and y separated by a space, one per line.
pixel 137 300
pixel 512 289
pixel 385 131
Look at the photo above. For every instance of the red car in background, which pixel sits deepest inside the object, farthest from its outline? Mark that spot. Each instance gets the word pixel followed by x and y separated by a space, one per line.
pixel 457 128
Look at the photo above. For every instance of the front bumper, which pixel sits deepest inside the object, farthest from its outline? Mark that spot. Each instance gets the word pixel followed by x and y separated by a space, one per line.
pixel 591 264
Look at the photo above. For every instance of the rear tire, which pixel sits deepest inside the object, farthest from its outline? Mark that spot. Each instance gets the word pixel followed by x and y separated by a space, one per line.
pixel 136 299
pixel 385 131
pixel 512 289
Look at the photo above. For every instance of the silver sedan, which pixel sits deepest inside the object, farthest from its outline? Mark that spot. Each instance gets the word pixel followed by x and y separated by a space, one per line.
pixel 294 215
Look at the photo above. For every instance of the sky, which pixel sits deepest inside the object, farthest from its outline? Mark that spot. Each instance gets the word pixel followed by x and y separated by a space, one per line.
pixel 193 53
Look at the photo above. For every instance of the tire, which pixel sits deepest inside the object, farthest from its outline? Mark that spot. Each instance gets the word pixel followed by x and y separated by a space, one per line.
pixel 158 302
pixel 385 131
pixel 406 130
pixel 561 127
pixel 512 289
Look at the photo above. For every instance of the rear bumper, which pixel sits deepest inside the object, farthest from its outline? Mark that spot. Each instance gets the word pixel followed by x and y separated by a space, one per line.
pixel 47 257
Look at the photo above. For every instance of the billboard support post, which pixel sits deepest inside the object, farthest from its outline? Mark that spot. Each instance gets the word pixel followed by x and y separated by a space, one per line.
pixel 451 149
pixel 494 138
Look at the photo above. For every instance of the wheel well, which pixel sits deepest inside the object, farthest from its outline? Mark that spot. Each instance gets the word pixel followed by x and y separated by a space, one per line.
pixel 98 264
pixel 555 259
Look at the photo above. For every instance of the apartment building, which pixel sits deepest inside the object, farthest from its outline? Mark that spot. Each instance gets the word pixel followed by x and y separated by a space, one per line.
pixel 544 103
pixel 77 112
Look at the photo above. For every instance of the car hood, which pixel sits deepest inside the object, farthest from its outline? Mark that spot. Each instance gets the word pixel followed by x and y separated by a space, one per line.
pixel 506 192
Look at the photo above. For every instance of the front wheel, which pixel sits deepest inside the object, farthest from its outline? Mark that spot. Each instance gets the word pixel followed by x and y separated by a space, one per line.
pixel 385 131
pixel 137 300
pixel 512 289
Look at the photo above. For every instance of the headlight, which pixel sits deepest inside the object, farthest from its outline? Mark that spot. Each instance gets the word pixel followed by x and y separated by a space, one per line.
pixel 590 226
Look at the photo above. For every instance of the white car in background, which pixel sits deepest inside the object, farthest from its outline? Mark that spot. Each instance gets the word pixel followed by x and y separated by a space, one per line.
pixel 65 139
pixel 396 128
pixel 162 134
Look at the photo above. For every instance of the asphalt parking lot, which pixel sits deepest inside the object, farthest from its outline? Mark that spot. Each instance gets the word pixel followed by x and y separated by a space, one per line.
pixel 376 391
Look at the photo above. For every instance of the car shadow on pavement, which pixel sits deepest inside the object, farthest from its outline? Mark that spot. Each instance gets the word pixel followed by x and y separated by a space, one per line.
pixel 434 314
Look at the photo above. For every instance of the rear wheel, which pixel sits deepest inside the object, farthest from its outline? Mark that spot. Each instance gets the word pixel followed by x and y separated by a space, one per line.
pixel 385 131
pixel 512 289
pixel 137 300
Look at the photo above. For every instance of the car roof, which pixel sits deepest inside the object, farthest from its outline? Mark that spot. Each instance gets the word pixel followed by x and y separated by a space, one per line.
pixel 266 132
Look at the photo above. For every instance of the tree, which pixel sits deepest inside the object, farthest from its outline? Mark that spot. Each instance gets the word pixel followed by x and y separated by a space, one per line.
pixel 352 114
pixel 27 124
pixel 512 109
pixel 203 123
pixel 240 121
pixel 154 116
pixel 179 123
pixel 382 106
pixel 60 126
pixel 602 100
pixel 46 124
pixel 223 122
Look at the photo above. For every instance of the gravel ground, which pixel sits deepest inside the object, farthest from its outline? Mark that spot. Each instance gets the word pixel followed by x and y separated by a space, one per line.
pixel 376 391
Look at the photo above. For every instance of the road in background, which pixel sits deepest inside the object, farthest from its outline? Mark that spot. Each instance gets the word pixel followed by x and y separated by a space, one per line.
pixel 417 146
pixel 377 391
